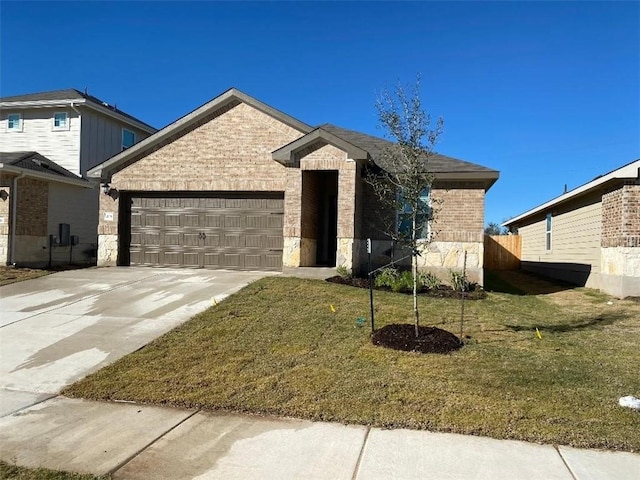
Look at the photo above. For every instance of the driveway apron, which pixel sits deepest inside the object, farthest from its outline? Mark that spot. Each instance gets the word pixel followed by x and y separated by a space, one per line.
pixel 54 330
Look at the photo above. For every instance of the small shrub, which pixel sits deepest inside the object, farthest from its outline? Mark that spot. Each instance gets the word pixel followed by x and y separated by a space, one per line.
pixel 387 277
pixel 428 280
pixel 459 281
pixel 403 282
pixel 344 272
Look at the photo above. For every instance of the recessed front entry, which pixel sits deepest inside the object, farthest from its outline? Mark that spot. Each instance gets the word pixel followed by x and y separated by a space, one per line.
pixel 222 230
pixel 320 217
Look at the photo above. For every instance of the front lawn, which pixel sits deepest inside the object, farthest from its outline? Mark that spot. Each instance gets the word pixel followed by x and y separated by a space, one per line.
pixel 13 472
pixel 291 347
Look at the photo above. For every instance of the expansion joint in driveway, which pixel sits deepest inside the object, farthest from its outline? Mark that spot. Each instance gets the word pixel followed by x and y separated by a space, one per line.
pixel 138 452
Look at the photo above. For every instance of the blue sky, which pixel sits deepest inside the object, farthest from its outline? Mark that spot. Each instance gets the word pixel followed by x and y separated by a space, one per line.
pixel 548 93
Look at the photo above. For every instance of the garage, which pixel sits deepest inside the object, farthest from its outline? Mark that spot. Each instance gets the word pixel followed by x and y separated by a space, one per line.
pixel 241 231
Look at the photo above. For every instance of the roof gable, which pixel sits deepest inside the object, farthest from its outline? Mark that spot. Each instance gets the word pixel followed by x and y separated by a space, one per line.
pixel 287 155
pixel 187 123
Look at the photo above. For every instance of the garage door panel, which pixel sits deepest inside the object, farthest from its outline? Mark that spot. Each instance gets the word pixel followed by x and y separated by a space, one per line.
pixel 171 239
pixel 232 260
pixel 172 220
pixel 216 232
pixel 191 220
pixel 172 258
pixel 212 221
pixel 191 259
pixel 191 239
pixel 212 240
pixel 254 241
pixel 232 221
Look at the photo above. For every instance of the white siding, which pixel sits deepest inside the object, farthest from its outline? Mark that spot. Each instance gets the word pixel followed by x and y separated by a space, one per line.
pixel 102 138
pixel 38 135
pixel 78 207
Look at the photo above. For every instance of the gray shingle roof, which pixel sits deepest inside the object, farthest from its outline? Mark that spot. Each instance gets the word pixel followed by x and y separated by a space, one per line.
pixel 376 147
pixel 36 162
pixel 68 94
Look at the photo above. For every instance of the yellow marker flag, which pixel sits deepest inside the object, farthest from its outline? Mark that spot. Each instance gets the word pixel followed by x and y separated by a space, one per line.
pixel 538 334
pixel 215 303
pixel 332 308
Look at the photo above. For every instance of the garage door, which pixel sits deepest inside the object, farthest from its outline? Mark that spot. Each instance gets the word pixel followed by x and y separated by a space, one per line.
pixel 224 231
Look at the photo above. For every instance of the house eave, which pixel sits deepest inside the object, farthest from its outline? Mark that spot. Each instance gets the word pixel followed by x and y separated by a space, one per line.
pixel 78 182
pixel 286 155
pixel 627 172
pixel 486 178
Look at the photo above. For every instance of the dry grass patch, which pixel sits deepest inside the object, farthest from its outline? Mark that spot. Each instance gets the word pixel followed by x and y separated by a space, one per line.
pixel 277 348
pixel 13 472
pixel 10 275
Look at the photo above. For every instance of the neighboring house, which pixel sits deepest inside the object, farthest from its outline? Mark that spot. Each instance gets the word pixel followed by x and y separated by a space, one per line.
pixel 47 196
pixel 589 236
pixel 238 184
pixel 62 131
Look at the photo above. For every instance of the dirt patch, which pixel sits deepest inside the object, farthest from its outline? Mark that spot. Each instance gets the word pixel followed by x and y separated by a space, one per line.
pixel 403 337
pixel 10 275
pixel 442 291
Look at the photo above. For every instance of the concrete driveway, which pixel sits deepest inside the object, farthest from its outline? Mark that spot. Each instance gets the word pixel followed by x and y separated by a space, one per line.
pixel 54 330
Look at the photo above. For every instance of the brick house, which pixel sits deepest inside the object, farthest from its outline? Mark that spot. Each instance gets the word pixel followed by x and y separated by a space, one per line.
pixel 239 184
pixel 589 236
pixel 48 141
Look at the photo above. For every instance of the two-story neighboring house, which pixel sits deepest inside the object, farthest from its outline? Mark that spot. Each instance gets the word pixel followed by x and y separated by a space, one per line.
pixel 48 141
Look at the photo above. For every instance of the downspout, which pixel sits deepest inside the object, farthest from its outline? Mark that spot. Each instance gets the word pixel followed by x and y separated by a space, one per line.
pixel 75 109
pixel 14 209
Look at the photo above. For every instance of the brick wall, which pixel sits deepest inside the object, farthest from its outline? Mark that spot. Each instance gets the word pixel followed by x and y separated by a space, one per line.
pixel 621 217
pixel 32 207
pixel 230 152
pixel 459 212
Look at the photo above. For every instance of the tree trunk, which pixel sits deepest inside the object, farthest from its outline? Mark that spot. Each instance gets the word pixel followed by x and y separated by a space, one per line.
pixel 414 268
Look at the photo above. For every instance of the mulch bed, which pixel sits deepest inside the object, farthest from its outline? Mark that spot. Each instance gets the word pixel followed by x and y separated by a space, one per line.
pixel 403 337
pixel 442 291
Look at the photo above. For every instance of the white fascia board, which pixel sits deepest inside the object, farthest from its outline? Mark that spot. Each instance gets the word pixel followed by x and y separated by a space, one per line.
pixel 42 103
pixel 631 170
pixel 78 182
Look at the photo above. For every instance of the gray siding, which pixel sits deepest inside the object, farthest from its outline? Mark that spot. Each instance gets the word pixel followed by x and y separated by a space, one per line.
pixel 78 207
pixel 102 138
pixel 61 146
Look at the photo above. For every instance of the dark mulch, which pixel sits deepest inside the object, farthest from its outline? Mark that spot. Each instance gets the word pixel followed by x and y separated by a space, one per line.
pixel 403 337
pixel 633 299
pixel 442 291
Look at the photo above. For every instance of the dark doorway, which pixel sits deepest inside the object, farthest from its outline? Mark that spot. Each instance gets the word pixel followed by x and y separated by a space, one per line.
pixel 320 215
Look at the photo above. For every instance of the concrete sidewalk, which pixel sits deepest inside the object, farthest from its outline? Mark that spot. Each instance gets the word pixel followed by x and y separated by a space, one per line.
pixel 146 442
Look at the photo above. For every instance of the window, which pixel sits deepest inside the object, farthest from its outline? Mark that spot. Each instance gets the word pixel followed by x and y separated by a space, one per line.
pixel 60 121
pixel 128 138
pixel 423 219
pixel 548 232
pixel 14 122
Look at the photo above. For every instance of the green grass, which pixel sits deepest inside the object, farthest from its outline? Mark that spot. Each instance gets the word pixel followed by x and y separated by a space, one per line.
pixel 277 348
pixel 13 472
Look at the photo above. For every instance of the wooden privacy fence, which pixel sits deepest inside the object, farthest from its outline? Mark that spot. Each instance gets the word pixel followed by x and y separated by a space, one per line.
pixel 502 252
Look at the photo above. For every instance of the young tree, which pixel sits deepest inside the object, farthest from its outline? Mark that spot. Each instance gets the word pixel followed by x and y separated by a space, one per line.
pixel 403 184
